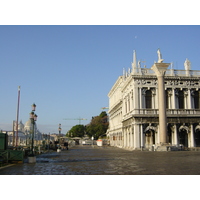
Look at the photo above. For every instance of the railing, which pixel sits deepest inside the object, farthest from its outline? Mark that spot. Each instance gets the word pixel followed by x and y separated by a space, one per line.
pixel 145 112
pixel 174 72
pixel 169 72
pixel 169 112
pixel 183 112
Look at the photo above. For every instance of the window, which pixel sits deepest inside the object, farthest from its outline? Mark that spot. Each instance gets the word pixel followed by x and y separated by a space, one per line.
pixel 196 99
pixel 167 99
pixel 148 99
pixel 181 100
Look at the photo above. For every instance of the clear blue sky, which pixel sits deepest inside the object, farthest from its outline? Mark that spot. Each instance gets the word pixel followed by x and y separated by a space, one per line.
pixel 67 71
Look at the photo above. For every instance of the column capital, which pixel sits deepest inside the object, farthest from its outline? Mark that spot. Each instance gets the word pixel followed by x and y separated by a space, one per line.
pixel 160 68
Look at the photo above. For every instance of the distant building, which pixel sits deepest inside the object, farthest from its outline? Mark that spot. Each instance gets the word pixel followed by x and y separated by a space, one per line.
pixel 135 107
pixel 24 133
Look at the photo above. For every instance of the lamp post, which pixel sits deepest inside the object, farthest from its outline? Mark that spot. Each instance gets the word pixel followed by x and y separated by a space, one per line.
pixel 33 118
pixel 59 131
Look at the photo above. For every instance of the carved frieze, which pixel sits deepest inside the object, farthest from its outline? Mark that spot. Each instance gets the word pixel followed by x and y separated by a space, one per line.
pixel 169 93
pixel 184 128
pixel 185 92
pixel 144 91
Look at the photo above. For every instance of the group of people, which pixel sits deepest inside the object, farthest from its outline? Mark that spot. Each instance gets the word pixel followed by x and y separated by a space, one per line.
pixel 65 145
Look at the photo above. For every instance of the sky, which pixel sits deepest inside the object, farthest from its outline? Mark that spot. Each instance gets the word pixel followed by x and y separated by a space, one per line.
pixel 67 71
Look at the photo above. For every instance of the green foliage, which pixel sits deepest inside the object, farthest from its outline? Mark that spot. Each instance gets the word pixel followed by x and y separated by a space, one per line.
pixel 98 126
pixel 77 131
pixel 103 114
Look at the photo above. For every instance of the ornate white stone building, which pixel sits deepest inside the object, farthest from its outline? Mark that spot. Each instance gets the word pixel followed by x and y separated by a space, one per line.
pixel 140 112
pixel 24 133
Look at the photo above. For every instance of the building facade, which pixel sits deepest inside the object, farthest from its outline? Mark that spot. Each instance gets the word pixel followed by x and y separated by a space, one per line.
pixel 24 134
pixel 144 103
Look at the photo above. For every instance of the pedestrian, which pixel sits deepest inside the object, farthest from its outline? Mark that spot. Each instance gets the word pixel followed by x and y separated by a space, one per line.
pixel 66 145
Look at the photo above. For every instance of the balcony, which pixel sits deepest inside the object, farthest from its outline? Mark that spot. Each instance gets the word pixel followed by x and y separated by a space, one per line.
pixel 183 112
pixel 155 113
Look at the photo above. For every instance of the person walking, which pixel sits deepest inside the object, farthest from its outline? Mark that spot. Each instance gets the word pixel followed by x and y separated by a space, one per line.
pixel 66 145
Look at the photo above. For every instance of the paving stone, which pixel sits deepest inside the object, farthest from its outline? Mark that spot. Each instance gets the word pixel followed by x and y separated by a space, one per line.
pixel 87 160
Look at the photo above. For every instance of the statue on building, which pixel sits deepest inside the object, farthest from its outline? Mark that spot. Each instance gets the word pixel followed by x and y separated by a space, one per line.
pixel 129 71
pixel 160 60
pixel 187 65
pixel 139 64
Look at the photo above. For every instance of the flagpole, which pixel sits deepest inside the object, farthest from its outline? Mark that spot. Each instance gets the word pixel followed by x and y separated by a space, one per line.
pixel 17 116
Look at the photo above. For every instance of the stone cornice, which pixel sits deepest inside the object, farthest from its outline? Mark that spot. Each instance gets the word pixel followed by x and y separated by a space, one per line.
pixel 116 85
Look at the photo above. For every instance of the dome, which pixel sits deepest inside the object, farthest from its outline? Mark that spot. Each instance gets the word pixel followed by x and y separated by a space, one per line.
pixel 29 126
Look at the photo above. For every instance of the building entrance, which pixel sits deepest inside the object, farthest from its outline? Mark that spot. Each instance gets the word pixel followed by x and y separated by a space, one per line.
pixel 197 138
pixel 183 138
pixel 150 138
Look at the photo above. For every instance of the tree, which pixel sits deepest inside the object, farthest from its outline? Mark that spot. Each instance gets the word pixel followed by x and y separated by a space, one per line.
pixel 77 131
pixel 98 126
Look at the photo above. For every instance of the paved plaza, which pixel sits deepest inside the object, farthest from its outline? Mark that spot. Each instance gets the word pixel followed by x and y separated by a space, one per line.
pixel 88 160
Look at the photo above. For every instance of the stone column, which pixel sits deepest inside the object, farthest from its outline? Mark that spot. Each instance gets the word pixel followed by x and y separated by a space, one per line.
pixel 132 135
pixel 136 139
pixel 136 98
pixel 174 135
pixel 189 99
pixel 124 106
pixel 173 99
pixel 185 99
pixel 142 136
pixel 128 139
pixel 160 69
pixel 191 136
pixel 124 137
pixel 140 98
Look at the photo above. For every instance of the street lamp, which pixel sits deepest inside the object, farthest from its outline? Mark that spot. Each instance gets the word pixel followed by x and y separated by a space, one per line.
pixel 59 130
pixel 33 118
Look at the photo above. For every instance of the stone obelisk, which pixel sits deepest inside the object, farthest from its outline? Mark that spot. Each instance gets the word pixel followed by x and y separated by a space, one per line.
pixel 160 69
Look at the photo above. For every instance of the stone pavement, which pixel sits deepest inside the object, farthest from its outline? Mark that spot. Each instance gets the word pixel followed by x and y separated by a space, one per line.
pixel 88 160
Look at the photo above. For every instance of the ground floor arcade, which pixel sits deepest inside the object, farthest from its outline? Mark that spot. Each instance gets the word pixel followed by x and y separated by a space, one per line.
pixel 135 134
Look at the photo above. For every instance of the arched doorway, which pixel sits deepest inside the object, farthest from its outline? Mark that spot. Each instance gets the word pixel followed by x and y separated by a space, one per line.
pixel 169 134
pixel 183 135
pixel 150 138
pixel 197 136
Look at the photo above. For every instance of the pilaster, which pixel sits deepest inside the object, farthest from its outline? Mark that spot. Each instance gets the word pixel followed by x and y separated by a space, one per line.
pixel 189 99
pixel 191 136
pixel 141 136
pixel 136 136
pixel 174 135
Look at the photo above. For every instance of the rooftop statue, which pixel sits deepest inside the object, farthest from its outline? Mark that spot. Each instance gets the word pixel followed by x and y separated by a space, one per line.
pixel 139 64
pixel 160 60
pixel 187 64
